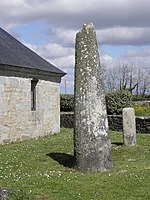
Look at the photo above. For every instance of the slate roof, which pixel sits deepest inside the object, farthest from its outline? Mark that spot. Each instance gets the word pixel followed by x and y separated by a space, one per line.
pixel 14 53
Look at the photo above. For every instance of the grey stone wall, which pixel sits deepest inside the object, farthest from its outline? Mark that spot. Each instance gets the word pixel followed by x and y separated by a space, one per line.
pixel 115 122
pixel 17 121
pixel 143 124
pixel 141 103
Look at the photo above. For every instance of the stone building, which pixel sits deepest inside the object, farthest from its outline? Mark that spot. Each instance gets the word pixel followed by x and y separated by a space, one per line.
pixel 29 92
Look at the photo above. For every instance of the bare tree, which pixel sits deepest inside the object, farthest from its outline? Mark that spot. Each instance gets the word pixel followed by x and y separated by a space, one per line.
pixel 123 76
pixel 127 77
pixel 136 77
pixel 145 84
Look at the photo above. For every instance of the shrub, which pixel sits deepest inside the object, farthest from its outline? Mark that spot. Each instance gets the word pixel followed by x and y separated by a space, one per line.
pixel 66 102
pixel 116 101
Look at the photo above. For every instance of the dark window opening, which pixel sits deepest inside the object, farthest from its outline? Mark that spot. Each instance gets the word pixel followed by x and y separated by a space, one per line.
pixel 33 94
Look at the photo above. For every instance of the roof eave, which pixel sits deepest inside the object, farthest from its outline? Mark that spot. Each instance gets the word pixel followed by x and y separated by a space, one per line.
pixel 30 70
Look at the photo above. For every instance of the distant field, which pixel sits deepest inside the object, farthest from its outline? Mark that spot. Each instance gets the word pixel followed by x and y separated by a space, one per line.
pixel 43 169
pixel 142 110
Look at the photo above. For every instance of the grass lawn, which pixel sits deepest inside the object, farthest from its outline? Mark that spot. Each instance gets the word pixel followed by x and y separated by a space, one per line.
pixel 141 110
pixel 43 169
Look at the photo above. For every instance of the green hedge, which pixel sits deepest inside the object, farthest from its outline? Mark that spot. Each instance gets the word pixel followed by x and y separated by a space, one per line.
pixel 66 102
pixel 116 101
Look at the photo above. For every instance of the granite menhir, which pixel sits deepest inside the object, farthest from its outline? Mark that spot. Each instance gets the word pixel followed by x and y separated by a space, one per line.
pixel 129 127
pixel 92 144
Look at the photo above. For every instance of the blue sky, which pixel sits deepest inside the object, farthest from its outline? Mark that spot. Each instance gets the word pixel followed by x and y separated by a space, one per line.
pixel 33 33
pixel 49 27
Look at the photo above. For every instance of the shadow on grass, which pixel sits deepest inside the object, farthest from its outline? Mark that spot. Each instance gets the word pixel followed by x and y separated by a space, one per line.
pixel 118 143
pixel 63 159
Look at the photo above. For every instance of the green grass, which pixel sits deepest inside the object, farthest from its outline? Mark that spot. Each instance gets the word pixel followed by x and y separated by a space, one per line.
pixel 42 168
pixel 142 110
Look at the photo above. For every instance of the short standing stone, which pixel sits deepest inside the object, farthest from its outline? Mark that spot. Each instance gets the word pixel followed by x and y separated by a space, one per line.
pixel 129 127
pixel 91 133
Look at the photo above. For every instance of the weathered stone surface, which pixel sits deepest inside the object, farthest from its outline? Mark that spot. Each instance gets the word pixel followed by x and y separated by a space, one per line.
pixel 92 142
pixel 129 127
pixel 17 121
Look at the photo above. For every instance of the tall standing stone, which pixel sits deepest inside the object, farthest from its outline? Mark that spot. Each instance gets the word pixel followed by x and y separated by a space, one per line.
pixel 91 133
pixel 129 127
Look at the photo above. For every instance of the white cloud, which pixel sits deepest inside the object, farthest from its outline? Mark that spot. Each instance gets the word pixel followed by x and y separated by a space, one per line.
pixel 63 62
pixel 107 61
pixel 54 50
pixel 139 57
pixel 72 13
pixel 66 36
pixel 60 57
pixel 31 46
pixel 56 54
pixel 124 35
pixel 118 22
pixel 142 52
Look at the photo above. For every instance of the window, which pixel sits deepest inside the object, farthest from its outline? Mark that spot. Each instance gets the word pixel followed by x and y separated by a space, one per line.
pixel 33 94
